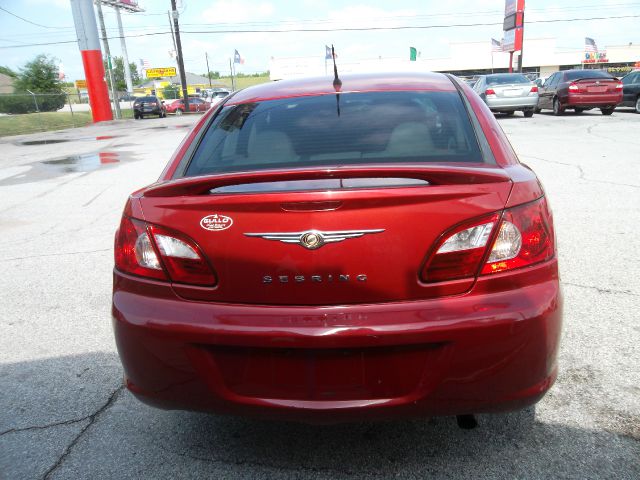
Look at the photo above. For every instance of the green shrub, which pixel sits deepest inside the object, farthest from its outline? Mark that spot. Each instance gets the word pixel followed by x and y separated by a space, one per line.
pixel 23 103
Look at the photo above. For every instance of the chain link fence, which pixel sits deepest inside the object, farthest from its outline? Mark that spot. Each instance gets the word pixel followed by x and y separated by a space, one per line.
pixel 22 113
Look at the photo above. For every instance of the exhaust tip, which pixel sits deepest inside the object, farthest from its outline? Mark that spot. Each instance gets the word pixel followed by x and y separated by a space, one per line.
pixel 467 422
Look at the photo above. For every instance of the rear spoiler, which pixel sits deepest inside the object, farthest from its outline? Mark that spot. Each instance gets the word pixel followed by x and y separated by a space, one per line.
pixel 440 174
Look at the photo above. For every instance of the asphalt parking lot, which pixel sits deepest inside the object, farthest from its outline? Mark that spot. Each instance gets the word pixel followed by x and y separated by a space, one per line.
pixel 64 413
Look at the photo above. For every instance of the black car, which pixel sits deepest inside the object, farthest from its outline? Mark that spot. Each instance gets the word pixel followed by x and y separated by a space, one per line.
pixel 631 90
pixel 149 105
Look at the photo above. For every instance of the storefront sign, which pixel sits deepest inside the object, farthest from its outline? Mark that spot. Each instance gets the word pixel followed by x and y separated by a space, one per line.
pixel 161 72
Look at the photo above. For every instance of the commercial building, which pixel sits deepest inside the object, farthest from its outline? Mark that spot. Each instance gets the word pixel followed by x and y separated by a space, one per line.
pixel 542 56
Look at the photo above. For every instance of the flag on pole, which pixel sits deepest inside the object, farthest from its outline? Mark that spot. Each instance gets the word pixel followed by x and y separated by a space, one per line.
pixel 237 58
pixel 413 54
pixel 496 46
pixel 61 74
pixel 327 52
pixel 590 45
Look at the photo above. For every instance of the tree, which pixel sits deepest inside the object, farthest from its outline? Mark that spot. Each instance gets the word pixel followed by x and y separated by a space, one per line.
pixel 118 73
pixel 40 75
pixel 212 75
pixel 8 72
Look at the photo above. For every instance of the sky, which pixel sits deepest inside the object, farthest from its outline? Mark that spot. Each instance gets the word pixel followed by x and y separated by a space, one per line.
pixel 205 27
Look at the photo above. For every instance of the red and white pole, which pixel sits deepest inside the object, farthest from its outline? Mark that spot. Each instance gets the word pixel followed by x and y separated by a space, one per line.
pixel 84 19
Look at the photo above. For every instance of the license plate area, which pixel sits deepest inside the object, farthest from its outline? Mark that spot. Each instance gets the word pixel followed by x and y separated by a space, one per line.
pixel 324 374
pixel 596 89
pixel 513 92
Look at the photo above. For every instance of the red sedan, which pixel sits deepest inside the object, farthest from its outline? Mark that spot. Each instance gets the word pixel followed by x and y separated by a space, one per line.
pixel 195 105
pixel 327 253
pixel 580 90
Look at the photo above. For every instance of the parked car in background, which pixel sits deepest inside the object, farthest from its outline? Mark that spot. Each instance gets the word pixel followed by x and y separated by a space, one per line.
pixel 214 95
pixel 631 90
pixel 327 256
pixel 149 105
pixel 195 105
pixel 508 93
pixel 580 90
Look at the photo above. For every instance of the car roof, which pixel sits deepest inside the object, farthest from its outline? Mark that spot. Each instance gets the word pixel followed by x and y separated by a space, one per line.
pixel 350 83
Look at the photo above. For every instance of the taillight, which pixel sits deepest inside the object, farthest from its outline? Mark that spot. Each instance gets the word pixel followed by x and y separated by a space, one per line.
pixel 134 252
pixel 490 91
pixel 182 258
pixel 534 89
pixel 155 252
pixel 459 253
pixel 573 87
pixel 525 237
pixel 619 86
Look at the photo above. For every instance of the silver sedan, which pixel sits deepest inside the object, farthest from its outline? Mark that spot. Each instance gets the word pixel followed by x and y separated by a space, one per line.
pixel 508 92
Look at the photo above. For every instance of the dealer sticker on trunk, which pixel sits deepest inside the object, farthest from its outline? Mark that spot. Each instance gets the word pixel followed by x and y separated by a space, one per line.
pixel 216 223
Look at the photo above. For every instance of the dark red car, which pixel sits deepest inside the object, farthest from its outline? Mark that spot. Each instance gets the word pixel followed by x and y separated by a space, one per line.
pixel 580 90
pixel 195 105
pixel 324 253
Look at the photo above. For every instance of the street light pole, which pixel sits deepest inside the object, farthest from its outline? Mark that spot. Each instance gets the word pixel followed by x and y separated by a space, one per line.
pixel 206 57
pixel 125 57
pixel 183 77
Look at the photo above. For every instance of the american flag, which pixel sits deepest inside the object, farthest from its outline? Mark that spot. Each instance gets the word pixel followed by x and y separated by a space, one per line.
pixel 237 58
pixel 590 45
pixel 496 46
pixel 144 63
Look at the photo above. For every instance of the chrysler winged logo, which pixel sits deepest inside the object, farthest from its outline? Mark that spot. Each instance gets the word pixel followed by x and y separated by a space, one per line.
pixel 313 239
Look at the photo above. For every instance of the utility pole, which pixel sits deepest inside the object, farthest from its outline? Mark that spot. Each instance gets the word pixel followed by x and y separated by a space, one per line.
pixel 105 42
pixel 125 57
pixel 206 57
pixel 173 38
pixel 183 77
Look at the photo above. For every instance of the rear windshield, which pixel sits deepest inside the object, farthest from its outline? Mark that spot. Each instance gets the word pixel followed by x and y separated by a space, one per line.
pixel 506 79
pixel 580 74
pixel 146 99
pixel 338 129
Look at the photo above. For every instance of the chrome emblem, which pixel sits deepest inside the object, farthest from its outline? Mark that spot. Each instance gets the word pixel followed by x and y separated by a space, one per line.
pixel 313 239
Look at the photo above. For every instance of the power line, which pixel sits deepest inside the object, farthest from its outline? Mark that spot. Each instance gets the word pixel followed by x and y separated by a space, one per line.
pixel 340 29
pixel 28 21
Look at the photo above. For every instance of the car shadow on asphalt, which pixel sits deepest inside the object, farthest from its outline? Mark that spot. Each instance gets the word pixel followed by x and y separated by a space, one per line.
pixel 70 416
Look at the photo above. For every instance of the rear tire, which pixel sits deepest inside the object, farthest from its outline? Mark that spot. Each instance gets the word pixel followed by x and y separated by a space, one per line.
pixel 179 112
pixel 557 108
pixel 528 113
pixel 578 110
pixel 607 110
pixel 638 104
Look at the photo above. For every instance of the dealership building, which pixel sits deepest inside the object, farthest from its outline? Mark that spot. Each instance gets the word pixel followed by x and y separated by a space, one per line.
pixel 542 56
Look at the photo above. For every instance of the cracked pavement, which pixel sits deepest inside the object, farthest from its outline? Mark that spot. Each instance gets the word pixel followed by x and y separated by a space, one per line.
pixel 64 413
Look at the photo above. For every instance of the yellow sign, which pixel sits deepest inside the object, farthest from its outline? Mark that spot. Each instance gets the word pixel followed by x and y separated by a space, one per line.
pixel 161 72
pixel 81 84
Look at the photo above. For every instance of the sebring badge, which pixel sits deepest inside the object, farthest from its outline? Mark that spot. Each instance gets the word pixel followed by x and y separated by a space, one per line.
pixel 216 222
pixel 313 239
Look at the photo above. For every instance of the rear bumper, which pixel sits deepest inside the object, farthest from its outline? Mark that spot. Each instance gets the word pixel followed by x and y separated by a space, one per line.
pixel 593 100
pixel 512 103
pixel 492 349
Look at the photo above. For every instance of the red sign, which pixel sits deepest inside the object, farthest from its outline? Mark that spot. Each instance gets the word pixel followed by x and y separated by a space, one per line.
pixel 512 40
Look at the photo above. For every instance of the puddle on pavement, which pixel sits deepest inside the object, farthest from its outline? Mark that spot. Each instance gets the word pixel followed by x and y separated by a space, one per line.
pixel 47 141
pixel 84 163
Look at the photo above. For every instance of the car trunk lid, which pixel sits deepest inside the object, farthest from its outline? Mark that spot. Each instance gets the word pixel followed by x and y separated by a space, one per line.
pixel 324 236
